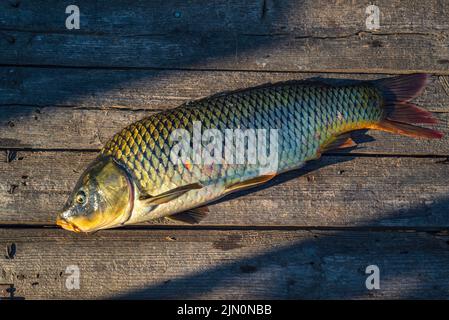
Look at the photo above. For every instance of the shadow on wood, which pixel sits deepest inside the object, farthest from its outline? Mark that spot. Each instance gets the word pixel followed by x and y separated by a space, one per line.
pixel 219 36
pixel 331 263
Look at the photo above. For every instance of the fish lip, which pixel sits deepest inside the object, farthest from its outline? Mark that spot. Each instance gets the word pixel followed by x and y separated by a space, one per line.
pixel 63 223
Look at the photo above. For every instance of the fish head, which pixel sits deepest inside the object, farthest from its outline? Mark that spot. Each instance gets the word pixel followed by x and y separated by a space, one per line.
pixel 102 198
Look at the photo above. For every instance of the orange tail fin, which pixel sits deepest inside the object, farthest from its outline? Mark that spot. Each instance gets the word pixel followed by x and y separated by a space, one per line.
pixel 399 113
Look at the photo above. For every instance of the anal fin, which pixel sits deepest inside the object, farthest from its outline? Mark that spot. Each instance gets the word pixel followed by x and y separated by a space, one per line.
pixel 340 142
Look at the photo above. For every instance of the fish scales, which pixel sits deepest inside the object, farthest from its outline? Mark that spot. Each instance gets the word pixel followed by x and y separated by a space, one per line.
pixel 306 115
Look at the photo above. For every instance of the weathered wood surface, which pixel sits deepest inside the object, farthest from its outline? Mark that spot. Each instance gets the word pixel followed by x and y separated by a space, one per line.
pixel 333 191
pixel 307 234
pixel 257 17
pixel 136 90
pixel 65 129
pixel 254 35
pixel 237 264
pixel 83 109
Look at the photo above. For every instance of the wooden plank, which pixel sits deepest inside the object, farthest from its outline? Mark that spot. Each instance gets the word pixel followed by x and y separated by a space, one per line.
pixel 358 53
pixel 333 191
pixel 92 105
pixel 158 89
pixel 173 16
pixel 63 128
pixel 226 264
pixel 259 35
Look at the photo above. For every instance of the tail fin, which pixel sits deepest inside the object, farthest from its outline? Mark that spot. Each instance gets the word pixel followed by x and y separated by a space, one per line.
pixel 399 113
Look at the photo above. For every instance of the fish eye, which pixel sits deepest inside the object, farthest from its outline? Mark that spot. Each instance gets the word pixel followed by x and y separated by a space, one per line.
pixel 80 197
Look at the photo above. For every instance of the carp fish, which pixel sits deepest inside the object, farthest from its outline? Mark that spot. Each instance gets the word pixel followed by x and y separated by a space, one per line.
pixel 137 178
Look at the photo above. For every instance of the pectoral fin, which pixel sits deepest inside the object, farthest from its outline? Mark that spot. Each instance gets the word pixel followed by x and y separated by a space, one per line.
pixel 250 183
pixel 169 195
pixel 193 216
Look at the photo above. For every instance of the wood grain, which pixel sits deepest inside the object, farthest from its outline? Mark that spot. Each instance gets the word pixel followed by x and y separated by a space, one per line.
pixel 82 110
pixel 226 264
pixel 258 17
pixel 258 35
pixel 333 191
pixel 66 129
pixel 158 89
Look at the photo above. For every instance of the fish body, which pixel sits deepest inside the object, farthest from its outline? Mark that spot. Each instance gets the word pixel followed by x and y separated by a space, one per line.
pixel 291 122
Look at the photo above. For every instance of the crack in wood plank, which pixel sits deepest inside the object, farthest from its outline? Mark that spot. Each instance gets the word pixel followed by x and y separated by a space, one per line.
pixel 445 83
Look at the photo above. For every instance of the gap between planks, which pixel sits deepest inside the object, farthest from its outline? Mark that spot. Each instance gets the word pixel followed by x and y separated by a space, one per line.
pixel 329 154
pixel 326 70
pixel 159 227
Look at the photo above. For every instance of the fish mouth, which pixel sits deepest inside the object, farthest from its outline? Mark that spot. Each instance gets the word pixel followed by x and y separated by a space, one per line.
pixel 67 225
